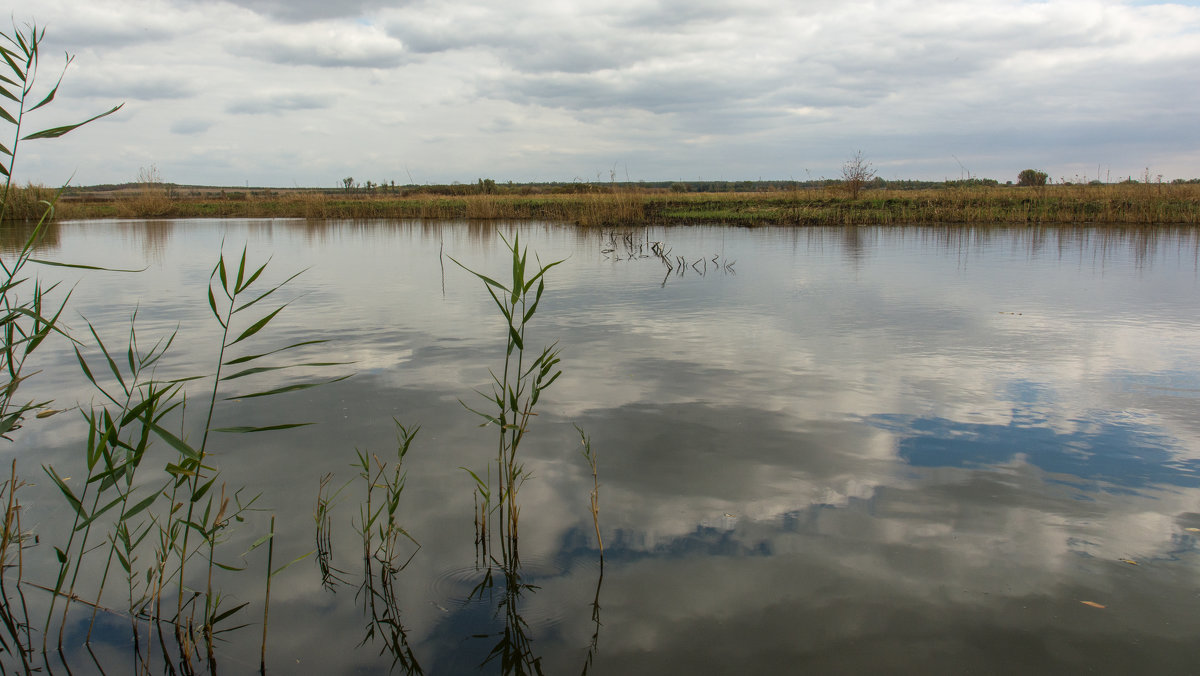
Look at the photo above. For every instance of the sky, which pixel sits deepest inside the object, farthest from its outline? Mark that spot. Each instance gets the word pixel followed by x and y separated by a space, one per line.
pixel 288 93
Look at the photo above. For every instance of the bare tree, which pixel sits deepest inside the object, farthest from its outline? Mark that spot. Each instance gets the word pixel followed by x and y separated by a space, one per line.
pixel 856 173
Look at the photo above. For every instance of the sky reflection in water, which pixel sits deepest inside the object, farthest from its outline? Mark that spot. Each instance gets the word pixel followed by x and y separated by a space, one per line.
pixel 912 449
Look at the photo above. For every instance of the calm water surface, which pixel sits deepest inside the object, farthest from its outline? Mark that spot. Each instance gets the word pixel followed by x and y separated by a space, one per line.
pixel 904 449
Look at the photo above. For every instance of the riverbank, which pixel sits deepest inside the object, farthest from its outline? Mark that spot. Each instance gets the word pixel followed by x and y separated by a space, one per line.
pixel 1126 203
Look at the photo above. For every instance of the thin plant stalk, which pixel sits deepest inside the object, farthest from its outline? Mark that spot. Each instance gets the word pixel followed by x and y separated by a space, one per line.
pixel 516 390
pixel 590 457
pixel 262 659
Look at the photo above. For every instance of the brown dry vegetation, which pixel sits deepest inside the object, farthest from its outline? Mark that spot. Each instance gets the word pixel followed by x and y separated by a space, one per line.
pixel 1125 203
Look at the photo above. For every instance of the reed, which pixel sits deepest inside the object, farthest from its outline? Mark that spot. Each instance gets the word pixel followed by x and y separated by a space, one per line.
pixel 119 435
pixel 381 530
pixel 16 638
pixel 515 392
pixel 331 576
pixel 590 458
pixel 382 536
pixel 182 522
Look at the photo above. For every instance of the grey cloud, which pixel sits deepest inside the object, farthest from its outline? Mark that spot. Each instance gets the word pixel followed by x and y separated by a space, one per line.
pixel 330 54
pixel 675 14
pixel 152 88
pixel 660 93
pixel 500 125
pixel 278 103
pixel 300 11
pixel 530 51
pixel 188 127
pixel 430 41
pixel 74 36
pixel 568 55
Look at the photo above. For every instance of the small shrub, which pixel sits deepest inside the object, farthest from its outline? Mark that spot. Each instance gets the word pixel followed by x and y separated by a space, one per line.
pixel 1032 177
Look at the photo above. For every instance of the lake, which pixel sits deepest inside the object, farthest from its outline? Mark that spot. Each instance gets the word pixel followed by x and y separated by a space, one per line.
pixel 902 449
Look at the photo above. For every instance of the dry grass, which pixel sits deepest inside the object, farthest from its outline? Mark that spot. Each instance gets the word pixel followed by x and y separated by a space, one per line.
pixel 1133 203
pixel 28 203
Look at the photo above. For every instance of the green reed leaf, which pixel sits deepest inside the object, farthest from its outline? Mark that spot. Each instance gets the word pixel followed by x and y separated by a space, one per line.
pixel 252 357
pixel 257 543
pixel 488 418
pixel 204 488
pixel 515 337
pixel 286 388
pixel 87 372
pixel 486 280
pixel 17 71
pixel 237 285
pixel 550 382
pixel 529 313
pixel 257 326
pixel 268 428
pixel 291 563
pixel 139 507
pixel 254 276
pixel 81 266
pixel 175 442
pixel 475 476
pixel 50 97
pixel 137 411
pixel 231 611
pixel 179 471
pixel 66 491
pixel 268 292
pixel 25 47
pixel 503 309
pixel 96 514
pixel 60 131
pixel 212 304
pixel 265 369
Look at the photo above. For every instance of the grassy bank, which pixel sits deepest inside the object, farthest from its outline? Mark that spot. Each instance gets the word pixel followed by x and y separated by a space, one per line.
pixel 1126 203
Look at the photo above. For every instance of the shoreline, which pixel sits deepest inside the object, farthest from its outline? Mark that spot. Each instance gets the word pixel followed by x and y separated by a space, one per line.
pixel 1119 204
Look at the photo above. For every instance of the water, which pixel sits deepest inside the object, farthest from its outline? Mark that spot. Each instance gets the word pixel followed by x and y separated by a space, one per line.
pixel 909 449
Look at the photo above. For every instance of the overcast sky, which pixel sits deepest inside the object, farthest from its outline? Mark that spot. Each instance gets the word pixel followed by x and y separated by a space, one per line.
pixel 307 92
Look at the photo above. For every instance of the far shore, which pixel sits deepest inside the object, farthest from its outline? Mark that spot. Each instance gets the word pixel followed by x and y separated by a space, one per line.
pixel 598 204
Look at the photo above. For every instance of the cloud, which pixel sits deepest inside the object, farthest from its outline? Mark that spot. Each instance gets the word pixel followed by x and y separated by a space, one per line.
pixel 300 11
pixel 140 84
pixel 326 46
pixel 278 103
pixel 710 88
pixel 76 26
pixel 189 127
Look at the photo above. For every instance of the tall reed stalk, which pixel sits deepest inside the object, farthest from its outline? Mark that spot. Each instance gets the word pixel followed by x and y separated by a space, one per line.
pixel 382 536
pixel 590 457
pixel 516 390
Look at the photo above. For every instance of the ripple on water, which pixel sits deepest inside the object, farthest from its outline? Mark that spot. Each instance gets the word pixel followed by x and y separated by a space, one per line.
pixel 460 588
